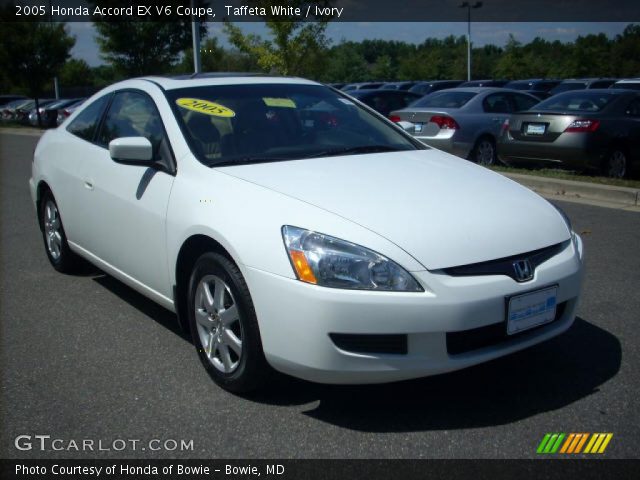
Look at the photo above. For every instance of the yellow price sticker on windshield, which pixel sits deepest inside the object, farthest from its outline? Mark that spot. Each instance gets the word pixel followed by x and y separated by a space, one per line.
pixel 279 102
pixel 206 107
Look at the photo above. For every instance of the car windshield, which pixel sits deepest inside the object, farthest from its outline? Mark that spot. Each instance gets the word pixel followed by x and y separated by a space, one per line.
pixel 445 100
pixel 236 124
pixel 578 101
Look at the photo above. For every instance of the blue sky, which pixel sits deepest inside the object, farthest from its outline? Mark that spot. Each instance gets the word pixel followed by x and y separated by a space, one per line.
pixel 481 33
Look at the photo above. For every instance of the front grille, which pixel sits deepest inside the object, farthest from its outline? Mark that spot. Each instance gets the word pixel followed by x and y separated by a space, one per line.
pixel 490 335
pixel 504 266
pixel 357 343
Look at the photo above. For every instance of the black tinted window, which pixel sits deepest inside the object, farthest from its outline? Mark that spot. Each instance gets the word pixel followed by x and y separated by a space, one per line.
pixel 134 114
pixel 445 100
pixel 579 101
pixel 496 103
pixel 84 125
pixel 522 102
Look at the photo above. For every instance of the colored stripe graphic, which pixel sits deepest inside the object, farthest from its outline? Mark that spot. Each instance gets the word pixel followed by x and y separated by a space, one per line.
pixel 573 443
pixel 581 442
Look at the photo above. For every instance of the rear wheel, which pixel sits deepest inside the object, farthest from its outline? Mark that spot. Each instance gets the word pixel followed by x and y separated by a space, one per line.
pixel 616 164
pixel 223 325
pixel 55 240
pixel 484 153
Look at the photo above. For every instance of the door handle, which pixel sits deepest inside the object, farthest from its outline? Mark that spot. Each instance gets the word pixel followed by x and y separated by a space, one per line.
pixel 88 184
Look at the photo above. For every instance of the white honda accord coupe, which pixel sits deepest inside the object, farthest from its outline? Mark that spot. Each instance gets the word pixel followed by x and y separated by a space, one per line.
pixel 292 228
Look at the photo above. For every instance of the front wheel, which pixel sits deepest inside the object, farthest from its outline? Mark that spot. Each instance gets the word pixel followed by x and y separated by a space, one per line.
pixel 223 325
pixel 484 153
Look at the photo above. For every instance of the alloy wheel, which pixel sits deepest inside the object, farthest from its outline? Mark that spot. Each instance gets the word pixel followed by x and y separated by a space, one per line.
pixel 218 322
pixel 53 229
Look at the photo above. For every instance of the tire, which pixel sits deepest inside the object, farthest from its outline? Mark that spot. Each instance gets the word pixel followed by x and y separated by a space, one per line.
pixel 224 326
pixel 484 152
pixel 616 165
pixel 55 240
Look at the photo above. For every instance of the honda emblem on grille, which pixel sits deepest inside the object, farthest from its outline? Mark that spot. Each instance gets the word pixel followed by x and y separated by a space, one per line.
pixel 523 270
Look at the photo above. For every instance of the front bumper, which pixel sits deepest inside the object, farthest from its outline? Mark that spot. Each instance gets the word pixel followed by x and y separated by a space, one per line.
pixel 296 319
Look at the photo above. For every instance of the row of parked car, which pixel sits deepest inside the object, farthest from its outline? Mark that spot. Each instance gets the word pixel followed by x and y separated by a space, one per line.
pixel 23 110
pixel 583 125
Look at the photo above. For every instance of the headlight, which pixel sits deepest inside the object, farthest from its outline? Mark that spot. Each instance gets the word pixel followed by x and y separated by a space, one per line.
pixel 331 262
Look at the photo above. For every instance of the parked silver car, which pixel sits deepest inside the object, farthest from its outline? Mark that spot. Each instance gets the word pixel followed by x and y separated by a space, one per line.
pixel 463 121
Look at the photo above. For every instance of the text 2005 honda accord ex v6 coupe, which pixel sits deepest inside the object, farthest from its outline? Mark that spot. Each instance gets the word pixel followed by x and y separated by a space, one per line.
pixel 291 227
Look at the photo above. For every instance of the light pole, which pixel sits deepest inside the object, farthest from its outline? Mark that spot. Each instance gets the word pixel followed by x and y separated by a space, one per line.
pixel 195 34
pixel 468 6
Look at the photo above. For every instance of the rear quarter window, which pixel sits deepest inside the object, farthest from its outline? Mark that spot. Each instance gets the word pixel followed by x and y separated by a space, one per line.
pixel 445 100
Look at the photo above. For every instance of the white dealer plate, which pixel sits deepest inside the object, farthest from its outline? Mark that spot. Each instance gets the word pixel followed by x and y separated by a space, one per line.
pixel 531 309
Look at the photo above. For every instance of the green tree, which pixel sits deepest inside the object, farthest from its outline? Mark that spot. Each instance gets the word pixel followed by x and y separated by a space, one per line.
pixel 625 52
pixel 295 47
pixel 36 53
pixel 76 73
pixel 142 46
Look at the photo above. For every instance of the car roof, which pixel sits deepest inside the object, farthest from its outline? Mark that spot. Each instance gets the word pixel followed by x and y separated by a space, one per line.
pixel 220 78
pixel 480 90
pixel 629 80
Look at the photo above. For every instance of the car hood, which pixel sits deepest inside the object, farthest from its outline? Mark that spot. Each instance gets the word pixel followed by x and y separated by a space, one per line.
pixel 442 210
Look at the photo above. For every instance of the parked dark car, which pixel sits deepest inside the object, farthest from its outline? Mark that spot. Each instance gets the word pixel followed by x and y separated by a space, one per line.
pixel 384 101
pixel 483 83
pixel 597 130
pixel 538 87
pixel 629 83
pixel 5 99
pixel 398 85
pixel 463 121
pixel 425 88
pixel 49 113
pixel 582 84
pixel 65 112
pixel 8 111
pixel 361 85
pixel 22 113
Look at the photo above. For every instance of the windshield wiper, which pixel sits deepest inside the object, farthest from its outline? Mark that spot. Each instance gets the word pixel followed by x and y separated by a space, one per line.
pixel 354 150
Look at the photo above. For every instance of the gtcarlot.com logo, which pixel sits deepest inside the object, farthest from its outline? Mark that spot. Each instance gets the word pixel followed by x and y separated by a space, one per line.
pixel 48 443
pixel 573 443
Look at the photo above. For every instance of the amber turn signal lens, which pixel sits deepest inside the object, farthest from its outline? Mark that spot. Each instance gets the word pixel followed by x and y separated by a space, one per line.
pixel 302 267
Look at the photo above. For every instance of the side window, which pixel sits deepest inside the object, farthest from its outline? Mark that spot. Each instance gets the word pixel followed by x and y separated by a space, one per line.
pixel 496 103
pixel 133 114
pixel 633 109
pixel 84 125
pixel 522 102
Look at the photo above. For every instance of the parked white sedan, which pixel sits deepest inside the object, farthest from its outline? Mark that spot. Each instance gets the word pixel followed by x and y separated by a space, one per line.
pixel 290 227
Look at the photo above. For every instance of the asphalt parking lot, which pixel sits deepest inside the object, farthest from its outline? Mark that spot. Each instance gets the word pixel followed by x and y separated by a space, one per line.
pixel 85 357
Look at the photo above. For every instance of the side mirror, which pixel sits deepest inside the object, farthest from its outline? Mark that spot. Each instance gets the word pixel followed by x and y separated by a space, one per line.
pixel 131 150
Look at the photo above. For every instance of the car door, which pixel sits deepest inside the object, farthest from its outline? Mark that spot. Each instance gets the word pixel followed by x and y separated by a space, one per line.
pixel 128 203
pixel 498 107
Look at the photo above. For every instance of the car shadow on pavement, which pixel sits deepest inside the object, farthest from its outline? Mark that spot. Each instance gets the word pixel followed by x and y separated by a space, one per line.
pixel 546 377
pixel 146 306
